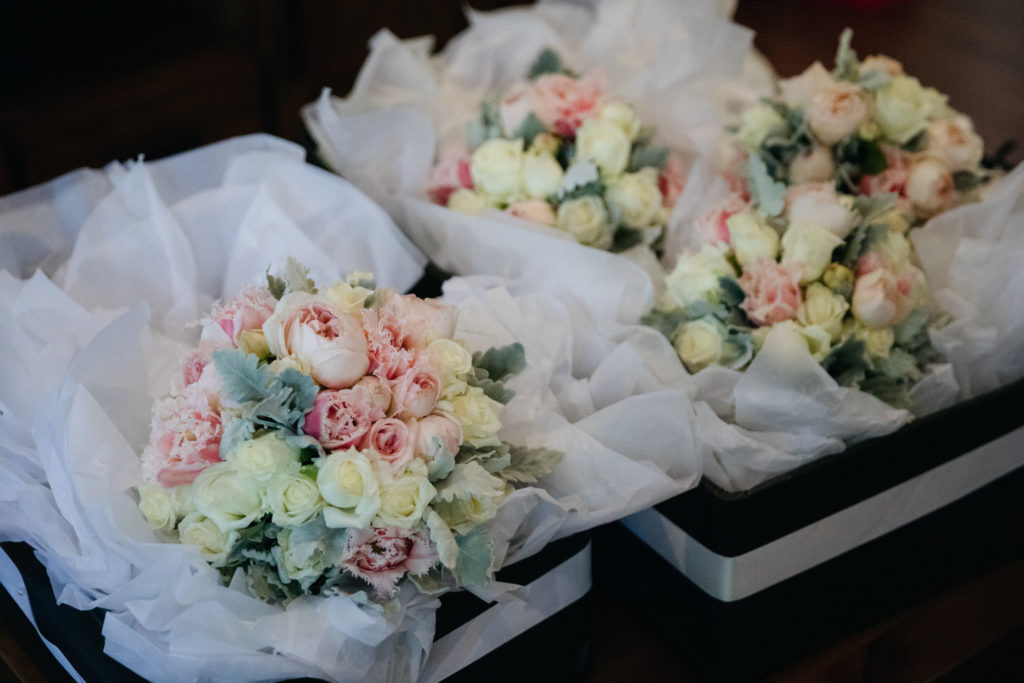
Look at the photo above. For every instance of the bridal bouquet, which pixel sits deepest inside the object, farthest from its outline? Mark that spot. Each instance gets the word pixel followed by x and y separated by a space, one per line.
pixel 871 129
pixel 333 442
pixel 559 150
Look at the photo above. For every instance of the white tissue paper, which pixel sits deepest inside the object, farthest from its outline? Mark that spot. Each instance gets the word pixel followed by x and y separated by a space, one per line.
pixel 682 65
pixel 83 356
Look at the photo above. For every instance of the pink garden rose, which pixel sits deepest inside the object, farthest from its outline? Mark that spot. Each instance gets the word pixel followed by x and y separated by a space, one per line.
pixel 672 180
pixel 385 342
pixel 247 311
pixel 533 210
pixel 711 225
pixel 893 180
pixel 882 299
pixel 184 439
pixel 450 174
pixel 333 343
pixel 340 419
pixel 564 103
pixel 436 432
pixel 420 321
pixel 416 392
pixel 382 556
pixel 773 291
pixel 198 370
pixel 393 439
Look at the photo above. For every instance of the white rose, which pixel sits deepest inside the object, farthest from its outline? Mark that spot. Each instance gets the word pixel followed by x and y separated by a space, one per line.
pixel 586 219
pixel 468 202
pixel 820 205
pixel 604 143
pixel 497 167
pixel 757 123
pixel 437 433
pixel 699 343
pixel 293 499
pixel 903 108
pixel 810 245
pixel 798 90
pixel 752 239
pixel 542 174
pixel 348 482
pixel 824 309
pixel 264 456
pixel 157 505
pixel 634 198
pixel 930 186
pixel 533 210
pixel 232 499
pixel 836 112
pixel 955 142
pixel 477 414
pixel 453 362
pixel 695 277
pixel 403 500
pixel 814 165
pixel 817 338
pixel 623 116
pixel 214 544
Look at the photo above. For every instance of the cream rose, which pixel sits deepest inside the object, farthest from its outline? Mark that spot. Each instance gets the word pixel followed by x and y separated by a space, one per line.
pixel 586 219
pixel 903 108
pixel 695 277
pixel 264 456
pixel 634 198
pixel 346 297
pixel 839 279
pixel 814 165
pixel 232 499
pixel 542 174
pixel 214 544
pixel 254 342
pixel 604 143
pixel 293 499
pixel 752 239
pixel 279 365
pixel 837 112
pixel 454 363
pixel 468 202
pixel 930 186
pixel 477 414
pixel 157 505
pixel 699 343
pixel 403 500
pixel 894 250
pixel 348 482
pixel 533 210
pixel 824 309
pixel 810 245
pixel 954 141
pixel 756 124
pixel 623 116
pixel 497 168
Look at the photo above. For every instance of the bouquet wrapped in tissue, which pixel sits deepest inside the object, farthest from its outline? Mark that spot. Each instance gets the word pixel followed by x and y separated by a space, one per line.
pixel 329 442
pixel 559 150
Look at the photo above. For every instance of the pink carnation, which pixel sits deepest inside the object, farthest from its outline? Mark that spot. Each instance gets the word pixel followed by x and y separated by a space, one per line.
pixel 712 225
pixel 416 392
pixel 385 343
pixel 184 439
pixel 393 439
pixel 247 311
pixel 340 419
pixel 773 291
pixel 672 180
pixel 564 103
pixel 450 174
pixel 382 556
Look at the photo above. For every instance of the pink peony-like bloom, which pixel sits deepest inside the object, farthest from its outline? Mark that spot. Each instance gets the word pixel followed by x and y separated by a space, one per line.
pixel 331 342
pixel 393 439
pixel 382 556
pixel 882 298
pixel 184 439
pixel 672 180
pixel 340 419
pixel 773 291
pixel 893 180
pixel 712 225
pixel 198 370
pixel 416 392
pixel 247 311
pixel 420 321
pixel 450 174
pixel 564 103
pixel 435 432
pixel 385 343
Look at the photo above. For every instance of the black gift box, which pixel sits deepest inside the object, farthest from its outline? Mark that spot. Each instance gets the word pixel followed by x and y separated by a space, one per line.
pixel 556 648
pixel 750 581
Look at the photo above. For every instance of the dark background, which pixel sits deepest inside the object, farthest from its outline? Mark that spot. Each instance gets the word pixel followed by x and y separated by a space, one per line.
pixel 83 84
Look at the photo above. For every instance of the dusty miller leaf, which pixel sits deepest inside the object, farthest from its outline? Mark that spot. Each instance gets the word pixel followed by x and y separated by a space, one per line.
pixel 530 464
pixel 769 194
pixel 473 567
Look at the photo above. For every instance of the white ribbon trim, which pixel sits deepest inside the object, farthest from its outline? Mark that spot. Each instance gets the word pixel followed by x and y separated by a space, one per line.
pixel 734 578
pixel 12 580
pixel 540 599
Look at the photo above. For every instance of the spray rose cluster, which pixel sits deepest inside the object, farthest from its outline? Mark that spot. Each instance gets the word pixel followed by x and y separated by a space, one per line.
pixel 557 149
pixel 335 441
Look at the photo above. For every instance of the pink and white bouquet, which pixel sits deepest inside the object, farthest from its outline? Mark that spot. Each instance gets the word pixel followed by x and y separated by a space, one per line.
pixel 330 442
pixel 559 150
pixel 871 129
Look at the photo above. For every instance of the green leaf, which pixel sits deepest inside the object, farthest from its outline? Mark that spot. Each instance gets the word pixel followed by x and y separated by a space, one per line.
pixel 242 377
pixel 530 128
pixel 644 156
pixel 847 362
pixel 860 242
pixel 236 430
pixel 869 207
pixel 468 480
pixel 644 135
pixel 898 365
pixel 891 390
pixel 912 333
pixel 732 294
pixel 547 62
pixel 875 79
pixel 474 564
pixel 530 464
pixel 296 277
pixel 310 471
pixel 626 238
pixel 871 158
pixel 769 194
pixel 737 349
pixel 847 66
pixel 276 285
pixel 501 362
pixel 965 181
pixel 666 322
pixel 917 143
pixel 486 126
pixel 443 538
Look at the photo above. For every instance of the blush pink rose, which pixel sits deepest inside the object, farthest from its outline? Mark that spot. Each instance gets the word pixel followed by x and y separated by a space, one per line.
pixel 672 180
pixel 198 370
pixel 420 321
pixel 393 439
pixel 450 174
pixel 882 298
pixel 533 210
pixel 563 103
pixel 436 432
pixel 893 180
pixel 712 224
pixel 247 311
pixel 184 439
pixel 382 556
pixel 416 392
pixel 340 419
pixel 773 291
